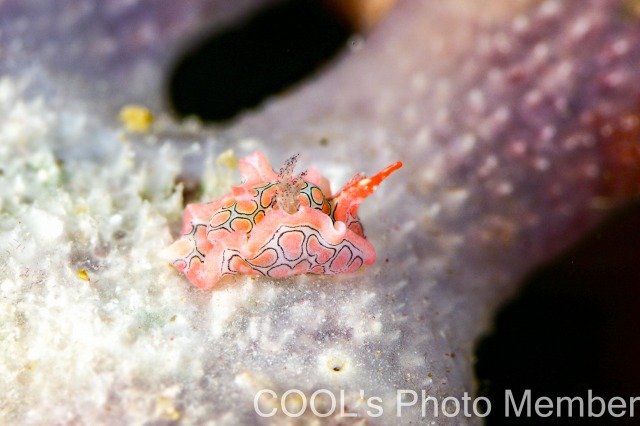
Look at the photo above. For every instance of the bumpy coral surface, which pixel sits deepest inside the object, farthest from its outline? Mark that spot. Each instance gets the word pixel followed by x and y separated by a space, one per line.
pixel 515 121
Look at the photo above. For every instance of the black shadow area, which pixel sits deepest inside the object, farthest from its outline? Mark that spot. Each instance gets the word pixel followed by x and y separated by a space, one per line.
pixel 238 68
pixel 575 327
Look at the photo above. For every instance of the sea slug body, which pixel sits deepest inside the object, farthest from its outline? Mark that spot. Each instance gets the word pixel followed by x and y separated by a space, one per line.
pixel 276 225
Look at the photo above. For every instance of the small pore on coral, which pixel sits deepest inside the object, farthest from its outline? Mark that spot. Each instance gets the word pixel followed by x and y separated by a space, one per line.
pixel 337 363
pixel 289 186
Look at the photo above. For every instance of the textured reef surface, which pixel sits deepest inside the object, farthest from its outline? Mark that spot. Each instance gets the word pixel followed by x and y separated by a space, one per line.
pixel 518 127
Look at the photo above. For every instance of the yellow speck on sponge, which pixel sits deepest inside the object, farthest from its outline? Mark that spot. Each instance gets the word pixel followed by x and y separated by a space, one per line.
pixel 136 118
pixel 228 159
pixel 83 275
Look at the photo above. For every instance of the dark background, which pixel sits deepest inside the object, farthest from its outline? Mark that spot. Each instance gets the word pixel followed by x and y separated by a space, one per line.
pixel 575 326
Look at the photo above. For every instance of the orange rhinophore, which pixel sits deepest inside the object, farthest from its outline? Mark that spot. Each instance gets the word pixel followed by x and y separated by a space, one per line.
pixel 276 225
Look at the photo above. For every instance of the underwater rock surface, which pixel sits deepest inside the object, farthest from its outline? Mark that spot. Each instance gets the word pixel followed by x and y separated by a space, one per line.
pixel 513 124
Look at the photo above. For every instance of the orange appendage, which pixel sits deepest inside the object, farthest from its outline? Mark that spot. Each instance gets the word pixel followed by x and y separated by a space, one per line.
pixel 346 203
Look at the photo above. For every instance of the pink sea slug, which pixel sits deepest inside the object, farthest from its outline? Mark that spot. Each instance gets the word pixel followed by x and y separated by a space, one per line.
pixel 276 225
